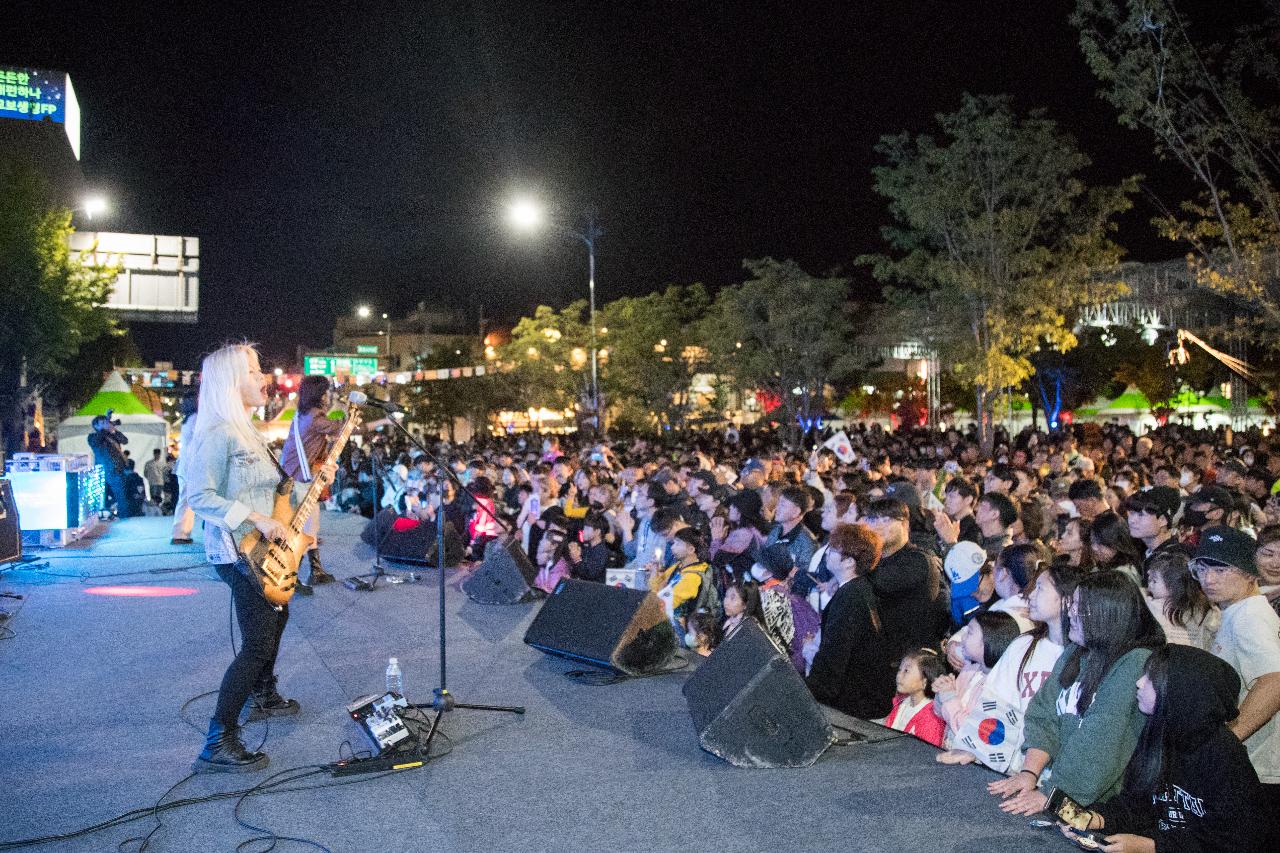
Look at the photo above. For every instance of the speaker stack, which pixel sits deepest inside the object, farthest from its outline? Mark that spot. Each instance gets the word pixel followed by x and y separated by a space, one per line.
pixel 751 707
pixel 625 630
pixel 10 533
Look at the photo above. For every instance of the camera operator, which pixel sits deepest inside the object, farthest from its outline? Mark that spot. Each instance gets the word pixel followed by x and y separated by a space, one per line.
pixel 105 441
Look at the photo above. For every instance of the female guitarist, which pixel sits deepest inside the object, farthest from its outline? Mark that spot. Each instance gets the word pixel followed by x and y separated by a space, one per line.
pixel 233 477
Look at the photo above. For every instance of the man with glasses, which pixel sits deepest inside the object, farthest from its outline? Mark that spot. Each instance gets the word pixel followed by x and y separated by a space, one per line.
pixel 1249 640
pixel 914 607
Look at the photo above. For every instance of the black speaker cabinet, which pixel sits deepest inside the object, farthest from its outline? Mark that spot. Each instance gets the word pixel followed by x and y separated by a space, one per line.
pixel 751 707
pixel 626 630
pixel 505 577
pixel 10 533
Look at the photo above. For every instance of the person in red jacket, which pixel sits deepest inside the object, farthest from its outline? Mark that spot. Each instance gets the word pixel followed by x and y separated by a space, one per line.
pixel 913 711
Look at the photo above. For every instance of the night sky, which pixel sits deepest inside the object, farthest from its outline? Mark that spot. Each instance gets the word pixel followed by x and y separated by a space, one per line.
pixel 326 160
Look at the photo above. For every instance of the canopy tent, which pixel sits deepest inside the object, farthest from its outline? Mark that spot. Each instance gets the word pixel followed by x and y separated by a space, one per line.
pixel 145 429
pixel 1131 402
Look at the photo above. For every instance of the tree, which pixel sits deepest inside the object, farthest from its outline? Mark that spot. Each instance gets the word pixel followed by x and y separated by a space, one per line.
pixel 996 238
pixel 548 357
pixel 1204 103
pixel 52 300
pixel 653 346
pixel 438 403
pixel 785 332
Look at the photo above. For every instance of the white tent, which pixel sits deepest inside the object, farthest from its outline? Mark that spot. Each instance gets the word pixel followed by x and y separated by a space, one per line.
pixel 144 428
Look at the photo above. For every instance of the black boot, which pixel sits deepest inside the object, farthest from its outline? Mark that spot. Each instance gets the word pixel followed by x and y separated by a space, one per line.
pixel 318 574
pixel 266 701
pixel 225 753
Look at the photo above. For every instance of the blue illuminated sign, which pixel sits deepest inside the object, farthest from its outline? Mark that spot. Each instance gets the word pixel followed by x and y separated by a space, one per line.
pixel 36 94
pixel 32 94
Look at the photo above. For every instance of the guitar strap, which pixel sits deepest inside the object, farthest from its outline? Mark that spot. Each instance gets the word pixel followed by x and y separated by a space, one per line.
pixel 304 466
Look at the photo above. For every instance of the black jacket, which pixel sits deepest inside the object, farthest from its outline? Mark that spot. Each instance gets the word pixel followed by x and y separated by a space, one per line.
pixel 595 560
pixel 851 671
pixel 913 604
pixel 1208 795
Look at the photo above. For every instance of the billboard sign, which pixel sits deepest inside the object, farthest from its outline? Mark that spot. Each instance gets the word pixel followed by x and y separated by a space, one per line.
pixel 159 276
pixel 334 365
pixel 34 94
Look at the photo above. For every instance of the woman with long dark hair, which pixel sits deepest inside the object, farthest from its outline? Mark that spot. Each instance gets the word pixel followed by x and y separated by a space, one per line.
pixel 1083 723
pixel 1189 785
pixel 1113 548
pixel 233 477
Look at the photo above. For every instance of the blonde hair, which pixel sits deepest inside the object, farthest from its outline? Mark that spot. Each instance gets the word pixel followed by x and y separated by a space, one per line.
pixel 221 373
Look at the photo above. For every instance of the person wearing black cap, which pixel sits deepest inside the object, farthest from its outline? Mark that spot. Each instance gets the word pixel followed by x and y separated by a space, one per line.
pixel 1189 784
pixel 1210 506
pixel 1249 640
pixel 1150 518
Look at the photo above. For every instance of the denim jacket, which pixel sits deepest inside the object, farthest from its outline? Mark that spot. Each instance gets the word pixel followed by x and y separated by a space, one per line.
pixel 226 480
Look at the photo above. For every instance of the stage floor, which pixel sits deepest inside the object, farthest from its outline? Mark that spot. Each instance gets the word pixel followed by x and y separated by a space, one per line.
pixel 92 687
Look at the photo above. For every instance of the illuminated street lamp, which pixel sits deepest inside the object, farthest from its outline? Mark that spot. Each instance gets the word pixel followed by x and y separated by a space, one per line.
pixel 364 312
pixel 527 215
pixel 94 206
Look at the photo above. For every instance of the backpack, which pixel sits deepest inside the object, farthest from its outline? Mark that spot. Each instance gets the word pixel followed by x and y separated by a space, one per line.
pixel 708 597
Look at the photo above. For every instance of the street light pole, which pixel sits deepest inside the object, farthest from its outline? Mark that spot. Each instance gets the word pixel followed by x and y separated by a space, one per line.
pixel 589 237
pixel 526 214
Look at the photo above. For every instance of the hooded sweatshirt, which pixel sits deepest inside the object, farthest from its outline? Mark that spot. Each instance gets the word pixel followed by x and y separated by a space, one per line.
pixel 1207 798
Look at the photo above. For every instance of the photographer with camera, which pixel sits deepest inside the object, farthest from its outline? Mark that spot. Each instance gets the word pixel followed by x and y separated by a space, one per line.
pixel 106 441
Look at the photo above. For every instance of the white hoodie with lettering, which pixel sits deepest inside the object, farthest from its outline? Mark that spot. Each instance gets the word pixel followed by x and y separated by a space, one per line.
pixel 992 730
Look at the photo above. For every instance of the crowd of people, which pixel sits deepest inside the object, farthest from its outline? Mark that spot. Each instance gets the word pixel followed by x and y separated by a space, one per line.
pixel 1091 613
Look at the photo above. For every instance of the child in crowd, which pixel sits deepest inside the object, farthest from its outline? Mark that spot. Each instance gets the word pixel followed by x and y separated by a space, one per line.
pixel 741 601
pixel 703 633
pixel 685 582
pixel 982 642
pixel 1174 595
pixel 913 710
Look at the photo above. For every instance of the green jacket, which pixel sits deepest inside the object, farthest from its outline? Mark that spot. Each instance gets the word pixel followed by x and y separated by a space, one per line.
pixel 1088 754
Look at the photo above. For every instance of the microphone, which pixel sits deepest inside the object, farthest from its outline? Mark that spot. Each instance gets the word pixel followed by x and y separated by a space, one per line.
pixel 362 399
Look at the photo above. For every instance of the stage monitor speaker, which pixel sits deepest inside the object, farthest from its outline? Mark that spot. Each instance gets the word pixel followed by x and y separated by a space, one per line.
pixel 10 532
pixel 505 577
pixel 751 707
pixel 626 630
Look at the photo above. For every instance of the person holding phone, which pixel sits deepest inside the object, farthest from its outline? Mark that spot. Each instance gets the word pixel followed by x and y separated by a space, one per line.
pixel 1189 785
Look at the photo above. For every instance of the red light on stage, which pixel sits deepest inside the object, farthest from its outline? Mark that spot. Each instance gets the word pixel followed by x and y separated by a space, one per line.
pixel 141 591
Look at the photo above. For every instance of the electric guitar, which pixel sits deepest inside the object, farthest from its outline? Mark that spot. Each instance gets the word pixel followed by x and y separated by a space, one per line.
pixel 274 565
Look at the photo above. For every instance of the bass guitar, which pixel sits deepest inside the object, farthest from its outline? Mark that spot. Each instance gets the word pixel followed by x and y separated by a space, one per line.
pixel 273 566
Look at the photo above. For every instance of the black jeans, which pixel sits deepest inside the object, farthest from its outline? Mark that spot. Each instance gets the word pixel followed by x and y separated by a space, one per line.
pixel 260 628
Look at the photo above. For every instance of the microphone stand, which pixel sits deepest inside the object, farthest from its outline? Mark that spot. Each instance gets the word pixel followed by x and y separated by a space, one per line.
pixel 442 701
pixel 369 582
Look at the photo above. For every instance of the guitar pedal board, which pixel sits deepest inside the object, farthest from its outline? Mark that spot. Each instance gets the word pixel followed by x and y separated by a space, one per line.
pixel 378 718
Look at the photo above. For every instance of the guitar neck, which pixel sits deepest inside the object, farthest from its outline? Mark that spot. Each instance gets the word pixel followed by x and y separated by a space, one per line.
pixel 312 498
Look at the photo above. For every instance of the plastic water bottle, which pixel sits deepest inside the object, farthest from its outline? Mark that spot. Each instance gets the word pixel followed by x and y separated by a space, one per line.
pixel 395 678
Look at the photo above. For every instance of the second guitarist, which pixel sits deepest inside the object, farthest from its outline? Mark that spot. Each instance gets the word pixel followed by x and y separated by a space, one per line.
pixel 232 480
pixel 310 432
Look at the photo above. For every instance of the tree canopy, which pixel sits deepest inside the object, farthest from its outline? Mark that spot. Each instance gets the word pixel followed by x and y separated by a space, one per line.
pixel 996 239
